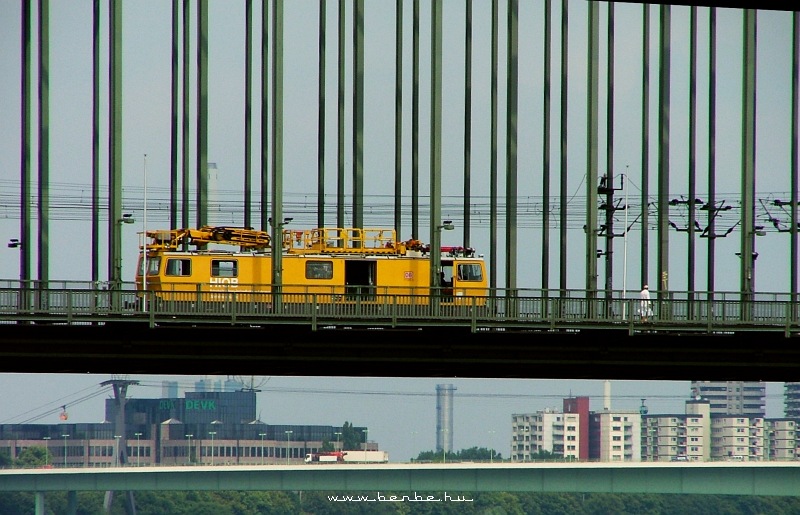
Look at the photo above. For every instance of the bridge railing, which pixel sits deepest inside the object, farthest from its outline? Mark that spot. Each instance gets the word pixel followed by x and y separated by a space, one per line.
pixel 76 303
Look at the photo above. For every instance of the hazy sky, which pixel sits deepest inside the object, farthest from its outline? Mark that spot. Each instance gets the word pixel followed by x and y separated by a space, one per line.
pixel 399 412
pixel 146 125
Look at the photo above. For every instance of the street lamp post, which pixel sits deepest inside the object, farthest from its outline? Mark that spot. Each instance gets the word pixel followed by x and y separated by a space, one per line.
pixel 46 450
pixel 144 239
pixel 116 449
pixel 366 439
pixel 436 252
pixel 189 449
pixel 25 296
pixel 491 455
pixel 212 433
pixel 288 435
pixel 127 218
pixel 16 243
pixel 65 449
pixel 262 435
pixel 338 435
pixel 137 447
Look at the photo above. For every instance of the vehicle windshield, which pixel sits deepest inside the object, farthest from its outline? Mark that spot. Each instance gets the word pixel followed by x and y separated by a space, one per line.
pixel 153 264
pixel 470 272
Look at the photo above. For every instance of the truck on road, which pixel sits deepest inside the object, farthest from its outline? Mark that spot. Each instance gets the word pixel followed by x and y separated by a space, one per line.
pixel 366 456
pixel 348 457
pixel 325 457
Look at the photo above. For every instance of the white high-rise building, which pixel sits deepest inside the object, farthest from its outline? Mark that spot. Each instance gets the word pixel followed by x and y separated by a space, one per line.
pixel 672 437
pixel 521 424
pixel 782 439
pixel 699 429
pixel 549 431
pixel 615 436
pixel 737 438
pixel 619 436
pixel 169 389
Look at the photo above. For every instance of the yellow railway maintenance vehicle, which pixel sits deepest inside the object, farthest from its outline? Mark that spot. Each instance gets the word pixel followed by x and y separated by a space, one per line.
pixel 333 264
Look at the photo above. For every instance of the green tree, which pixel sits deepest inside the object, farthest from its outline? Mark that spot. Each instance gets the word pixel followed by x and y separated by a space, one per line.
pixel 436 456
pixel 547 503
pixel 351 439
pixel 5 458
pixel 500 503
pixel 546 456
pixel 472 454
pixel 484 503
pixel 33 457
pixel 478 454
pixel 16 503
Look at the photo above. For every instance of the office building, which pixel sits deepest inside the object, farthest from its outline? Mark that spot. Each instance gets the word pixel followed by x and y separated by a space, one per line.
pixel 208 427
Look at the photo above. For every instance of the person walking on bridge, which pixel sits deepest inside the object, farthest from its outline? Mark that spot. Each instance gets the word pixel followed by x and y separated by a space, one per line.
pixel 645 307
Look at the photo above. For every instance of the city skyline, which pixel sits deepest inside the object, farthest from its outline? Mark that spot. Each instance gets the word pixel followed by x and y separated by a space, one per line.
pixel 399 412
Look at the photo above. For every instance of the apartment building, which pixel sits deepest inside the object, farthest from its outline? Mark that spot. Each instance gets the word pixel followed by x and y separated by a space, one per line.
pixel 737 438
pixel 746 398
pixel 615 436
pixel 563 434
pixel 547 431
pixel 677 437
pixel 782 443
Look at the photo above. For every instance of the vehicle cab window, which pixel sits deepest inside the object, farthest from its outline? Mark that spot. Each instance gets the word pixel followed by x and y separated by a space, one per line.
pixel 224 268
pixel 153 265
pixel 470 272
pixel 319 270
pixel 179 267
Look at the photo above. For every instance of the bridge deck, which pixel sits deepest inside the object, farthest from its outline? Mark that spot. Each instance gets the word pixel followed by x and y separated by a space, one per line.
pixel 726 478
pixel 526 336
